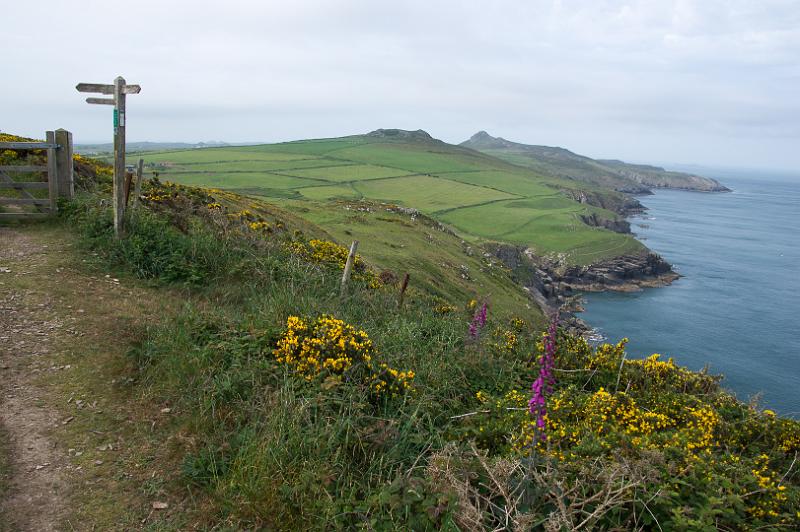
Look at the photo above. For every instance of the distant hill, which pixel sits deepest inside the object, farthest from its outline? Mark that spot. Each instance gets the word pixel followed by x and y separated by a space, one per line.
pixel 562 163
pixel 93 149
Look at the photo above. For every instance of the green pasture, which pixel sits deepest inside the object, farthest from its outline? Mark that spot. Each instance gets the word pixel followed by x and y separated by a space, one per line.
pixel 356 172
pixel 520 184
pixel 428 194
pixel 416 157
pixel 327 192
pixel 245 165
pixel 231 180
pixel 549 225
pixel 481 196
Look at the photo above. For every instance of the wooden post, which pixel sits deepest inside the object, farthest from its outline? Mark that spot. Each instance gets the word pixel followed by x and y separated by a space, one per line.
pixel 139 177
pixel 64 167
pixel 128 184
pixel 119 89
pixel 348 266
pixel 403 291
pixel 52 172
pixel 119 155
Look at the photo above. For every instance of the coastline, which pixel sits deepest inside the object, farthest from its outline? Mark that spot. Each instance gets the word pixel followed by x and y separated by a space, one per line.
pixel 558 287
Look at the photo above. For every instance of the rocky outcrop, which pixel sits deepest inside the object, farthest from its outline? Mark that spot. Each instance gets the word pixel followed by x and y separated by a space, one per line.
pixel 657 177
pixel 618 226
pixel 554 284
pixel 400 134
pixel 626 273
pixel 621 204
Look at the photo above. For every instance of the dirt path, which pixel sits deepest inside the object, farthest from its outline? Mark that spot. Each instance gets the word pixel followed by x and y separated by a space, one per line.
pixel 38 483
pixel 74 439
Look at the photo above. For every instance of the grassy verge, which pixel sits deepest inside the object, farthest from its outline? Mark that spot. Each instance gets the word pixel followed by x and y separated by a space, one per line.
pixel 292 407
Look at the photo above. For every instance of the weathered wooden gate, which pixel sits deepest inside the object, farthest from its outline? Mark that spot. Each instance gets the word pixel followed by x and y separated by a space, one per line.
pixel 29 181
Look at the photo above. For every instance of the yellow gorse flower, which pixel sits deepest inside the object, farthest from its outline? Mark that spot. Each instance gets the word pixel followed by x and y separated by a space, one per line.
pixel 329 346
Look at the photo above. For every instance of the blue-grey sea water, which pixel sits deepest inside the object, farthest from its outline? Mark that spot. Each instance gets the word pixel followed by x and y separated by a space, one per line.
pixel 737 306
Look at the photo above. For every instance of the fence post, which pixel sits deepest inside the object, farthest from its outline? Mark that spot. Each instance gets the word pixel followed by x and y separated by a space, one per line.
pixel 52 172
pixel 138 190
pixel 403 291
pixel 64 171
pixel 348 266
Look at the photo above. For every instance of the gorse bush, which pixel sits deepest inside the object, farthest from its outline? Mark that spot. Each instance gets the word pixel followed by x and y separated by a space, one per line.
pixel 301 409
pixel 335 350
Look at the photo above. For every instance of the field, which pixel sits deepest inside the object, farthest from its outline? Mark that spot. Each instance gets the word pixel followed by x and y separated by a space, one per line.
pixel 481 197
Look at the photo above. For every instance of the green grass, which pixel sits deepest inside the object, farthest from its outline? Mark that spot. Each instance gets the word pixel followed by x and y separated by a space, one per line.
pixel 244 165
pixel 439 263
pixel 457 185
pixel 416 157
pixel 348 173
pixel 263 447
pixel 511 182
pixel 428 194
pixel 240 180
pixel 550 225
pixel 326 192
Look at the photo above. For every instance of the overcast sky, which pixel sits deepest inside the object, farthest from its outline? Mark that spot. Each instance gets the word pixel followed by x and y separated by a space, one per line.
pixel 712 82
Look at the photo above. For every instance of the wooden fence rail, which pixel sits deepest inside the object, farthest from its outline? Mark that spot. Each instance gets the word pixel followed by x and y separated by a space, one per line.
pixel 57 177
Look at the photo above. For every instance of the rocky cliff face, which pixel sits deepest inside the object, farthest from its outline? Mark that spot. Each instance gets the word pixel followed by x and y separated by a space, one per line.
pixel 554 284
pixel 618 226
pixel 657 177
pixel 621 204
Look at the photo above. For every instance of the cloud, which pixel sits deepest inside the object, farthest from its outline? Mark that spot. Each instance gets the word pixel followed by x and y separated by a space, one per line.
pixel 640 80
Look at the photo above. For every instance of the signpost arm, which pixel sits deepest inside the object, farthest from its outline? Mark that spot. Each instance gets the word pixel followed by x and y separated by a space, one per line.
pixel 119 155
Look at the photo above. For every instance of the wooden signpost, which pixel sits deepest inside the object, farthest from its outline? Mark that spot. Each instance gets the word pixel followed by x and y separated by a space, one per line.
pixel 119 90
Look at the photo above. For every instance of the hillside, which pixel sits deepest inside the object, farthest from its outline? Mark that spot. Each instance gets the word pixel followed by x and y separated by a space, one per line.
pixel 562 163
pixel 481 197
pixel 206 371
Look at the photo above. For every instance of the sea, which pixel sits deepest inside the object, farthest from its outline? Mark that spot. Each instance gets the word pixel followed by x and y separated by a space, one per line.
pixel 736 308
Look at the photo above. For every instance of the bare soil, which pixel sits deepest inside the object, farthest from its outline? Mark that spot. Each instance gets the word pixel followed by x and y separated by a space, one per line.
pixel 37 483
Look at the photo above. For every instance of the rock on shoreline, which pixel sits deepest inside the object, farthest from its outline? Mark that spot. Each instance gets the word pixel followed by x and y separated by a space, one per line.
pixel 557 286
